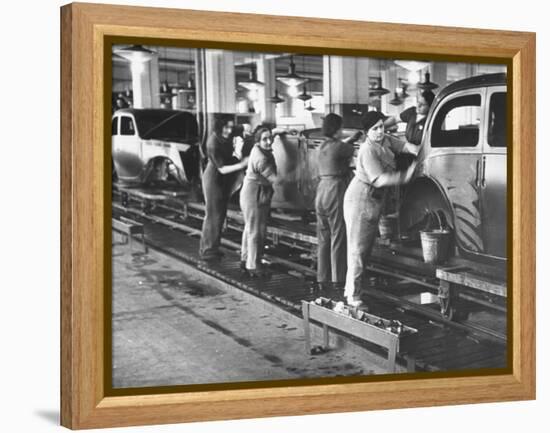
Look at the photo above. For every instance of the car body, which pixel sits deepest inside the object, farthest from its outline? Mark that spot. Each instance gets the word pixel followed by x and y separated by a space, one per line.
pixel 462 170
pixel 296 157
pixel 155 145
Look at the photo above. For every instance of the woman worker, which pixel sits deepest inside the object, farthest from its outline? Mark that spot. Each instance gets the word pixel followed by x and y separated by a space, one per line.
pixel 415 118
pixel 218 184
pixel 364 199
pixel 255 200
pixel 334 171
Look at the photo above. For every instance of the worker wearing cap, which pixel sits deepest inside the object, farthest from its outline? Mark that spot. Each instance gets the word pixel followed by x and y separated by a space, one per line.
pixel 415 118
pixel 365 197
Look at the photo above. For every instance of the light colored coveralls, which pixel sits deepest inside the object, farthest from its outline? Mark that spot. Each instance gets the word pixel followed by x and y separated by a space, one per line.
pixel 334 173
pixel 363 206
pixel 255 200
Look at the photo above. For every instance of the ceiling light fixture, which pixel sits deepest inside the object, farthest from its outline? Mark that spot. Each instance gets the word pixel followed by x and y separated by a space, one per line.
pixel 252 82
pixel 427 84
pixel 292 79
pixel 276 99
pixel 304 96
pixel 378 90
pixel 411 65
pixel 135 53
pixel 396 100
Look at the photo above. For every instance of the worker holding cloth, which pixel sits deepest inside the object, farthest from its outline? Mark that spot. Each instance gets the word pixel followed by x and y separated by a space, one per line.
pixel 255 200
pixel 220 180
pixel 364 199
pixel 334 172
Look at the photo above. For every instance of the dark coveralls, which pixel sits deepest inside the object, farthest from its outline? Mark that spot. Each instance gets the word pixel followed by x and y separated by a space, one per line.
pixel 413 133
pixel 363 205
pixel 217 189
pixel 334 172
pixel 255 200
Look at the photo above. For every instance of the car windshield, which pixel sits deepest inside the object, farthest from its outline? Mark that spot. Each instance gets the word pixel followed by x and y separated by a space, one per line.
pixel 166 125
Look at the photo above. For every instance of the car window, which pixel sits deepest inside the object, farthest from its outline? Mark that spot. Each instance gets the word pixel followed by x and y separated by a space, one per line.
pixel 114 126
pixel 457 123
pixel 127 126
pixel 496 131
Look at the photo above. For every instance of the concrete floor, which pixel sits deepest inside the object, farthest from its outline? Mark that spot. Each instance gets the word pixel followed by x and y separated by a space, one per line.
pixel 171 326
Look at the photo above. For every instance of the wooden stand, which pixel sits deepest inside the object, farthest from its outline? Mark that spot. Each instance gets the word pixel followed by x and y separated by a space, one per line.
pixel 130 228
pixel 376 330
pixel 452 279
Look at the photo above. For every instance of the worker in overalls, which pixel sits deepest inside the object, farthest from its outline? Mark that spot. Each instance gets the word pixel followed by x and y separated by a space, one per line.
pixel 220 180
pixel 415 118
pixel 365 197
pixel 334 156
pixel 255 200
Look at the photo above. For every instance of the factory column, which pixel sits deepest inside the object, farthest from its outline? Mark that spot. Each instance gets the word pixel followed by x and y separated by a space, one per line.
pixel 438 73
pixel 145 83
pixel 346 87
pixel 266 74
pixel 219 71
pixel 391 82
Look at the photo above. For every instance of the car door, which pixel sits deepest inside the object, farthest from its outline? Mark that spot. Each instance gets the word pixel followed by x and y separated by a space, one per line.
pixel 127 151
pixel 453 158
pixel 494 173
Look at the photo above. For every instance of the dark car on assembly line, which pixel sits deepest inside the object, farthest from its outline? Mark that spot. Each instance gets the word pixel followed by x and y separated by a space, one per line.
pixel 155 145
pixel 462 171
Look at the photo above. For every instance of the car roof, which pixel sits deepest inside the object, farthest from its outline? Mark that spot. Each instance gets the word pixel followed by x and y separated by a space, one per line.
pixel 473 82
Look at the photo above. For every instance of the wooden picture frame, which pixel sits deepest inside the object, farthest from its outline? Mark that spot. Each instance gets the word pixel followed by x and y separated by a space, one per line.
pixel 84 269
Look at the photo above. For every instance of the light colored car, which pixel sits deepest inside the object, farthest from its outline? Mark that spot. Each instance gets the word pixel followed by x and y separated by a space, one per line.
pixel 463 166
pixel 155 145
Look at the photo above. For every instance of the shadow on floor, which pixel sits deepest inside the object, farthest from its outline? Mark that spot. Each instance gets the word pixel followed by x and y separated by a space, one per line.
pixel 50 415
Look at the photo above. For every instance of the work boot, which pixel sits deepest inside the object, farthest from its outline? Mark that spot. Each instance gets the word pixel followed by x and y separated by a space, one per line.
pixel 258 273
pixel 354 302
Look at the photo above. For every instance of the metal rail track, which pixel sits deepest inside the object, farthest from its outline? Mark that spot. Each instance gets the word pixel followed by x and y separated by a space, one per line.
pixel 235 221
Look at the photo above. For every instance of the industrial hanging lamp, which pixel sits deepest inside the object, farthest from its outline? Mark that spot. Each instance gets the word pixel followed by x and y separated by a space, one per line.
pixel 252 83
pixel 411 65
pixel 276 99
pixel 378 90
pixel 356 107
pixel 427 84
pixel 292 78
pixel 396 100
pixel 304 96
pixel 309 107
pixel 403 85
pixel 135 53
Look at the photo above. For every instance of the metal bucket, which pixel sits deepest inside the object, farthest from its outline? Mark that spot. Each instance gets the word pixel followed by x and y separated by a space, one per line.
pixel 435 245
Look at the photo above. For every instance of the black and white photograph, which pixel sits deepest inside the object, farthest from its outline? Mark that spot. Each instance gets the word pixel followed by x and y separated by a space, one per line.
pixel 286 216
